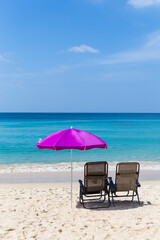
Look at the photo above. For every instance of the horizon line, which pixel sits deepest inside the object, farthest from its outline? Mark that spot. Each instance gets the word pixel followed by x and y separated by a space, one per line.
pixel 92 112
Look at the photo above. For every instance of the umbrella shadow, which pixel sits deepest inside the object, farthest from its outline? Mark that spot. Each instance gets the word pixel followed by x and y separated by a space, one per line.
pixel 119 205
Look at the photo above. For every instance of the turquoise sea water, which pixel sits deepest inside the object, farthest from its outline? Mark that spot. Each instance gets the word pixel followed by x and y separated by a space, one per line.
pixel 128 136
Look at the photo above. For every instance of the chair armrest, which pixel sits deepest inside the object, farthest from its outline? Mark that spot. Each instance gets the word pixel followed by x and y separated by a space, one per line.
pixel 112 185
pixel 81 183
pixel 81 186
pixel 107 183
pixel 138 184
pixel 111 182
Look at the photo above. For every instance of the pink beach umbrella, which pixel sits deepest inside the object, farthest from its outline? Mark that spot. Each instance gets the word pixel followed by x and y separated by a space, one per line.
pixel 71 139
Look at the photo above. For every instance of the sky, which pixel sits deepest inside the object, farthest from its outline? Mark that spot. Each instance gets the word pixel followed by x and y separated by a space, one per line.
pixel 80 56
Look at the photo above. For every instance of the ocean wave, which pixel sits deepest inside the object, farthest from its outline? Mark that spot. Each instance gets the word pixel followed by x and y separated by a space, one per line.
pixel 63 167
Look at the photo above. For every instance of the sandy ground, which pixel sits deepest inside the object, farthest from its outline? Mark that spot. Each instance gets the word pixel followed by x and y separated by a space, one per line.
pixel 42 212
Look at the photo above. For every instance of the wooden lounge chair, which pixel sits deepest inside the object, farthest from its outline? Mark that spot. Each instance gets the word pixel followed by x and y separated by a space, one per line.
pixel 95 185
pixel 126 180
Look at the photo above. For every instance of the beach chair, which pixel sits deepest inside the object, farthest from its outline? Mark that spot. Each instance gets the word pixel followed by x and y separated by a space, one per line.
pixel 126 180
pixel 96 186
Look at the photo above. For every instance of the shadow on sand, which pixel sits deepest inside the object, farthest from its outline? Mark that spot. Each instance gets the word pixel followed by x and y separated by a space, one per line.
pixel 119 205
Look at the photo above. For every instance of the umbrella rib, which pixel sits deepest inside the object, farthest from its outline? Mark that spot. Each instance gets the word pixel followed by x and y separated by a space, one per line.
pixel 83 142
pixel 76 133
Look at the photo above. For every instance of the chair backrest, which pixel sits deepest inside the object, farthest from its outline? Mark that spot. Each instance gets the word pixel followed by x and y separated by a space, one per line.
pixel 127 174
pixel 95 176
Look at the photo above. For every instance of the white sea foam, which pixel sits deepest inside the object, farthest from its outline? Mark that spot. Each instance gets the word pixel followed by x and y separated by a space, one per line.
pixel 63 167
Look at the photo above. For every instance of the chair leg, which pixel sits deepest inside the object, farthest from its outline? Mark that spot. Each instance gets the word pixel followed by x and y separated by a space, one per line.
pixel 109 201
pixel 104 197
pixel 132 196
pixel 127 194
pixel 83 202
pixel 138 197
pixel 80 197
pixel 109 198
pixel 113 200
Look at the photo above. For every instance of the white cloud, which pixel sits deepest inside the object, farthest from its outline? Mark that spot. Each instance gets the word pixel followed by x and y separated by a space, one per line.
pixel 150 51
pixel 83 49
pixel 4 58
pixel 143 3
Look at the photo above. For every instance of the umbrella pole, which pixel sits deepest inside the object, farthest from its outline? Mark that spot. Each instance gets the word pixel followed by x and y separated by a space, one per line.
pixel 71 178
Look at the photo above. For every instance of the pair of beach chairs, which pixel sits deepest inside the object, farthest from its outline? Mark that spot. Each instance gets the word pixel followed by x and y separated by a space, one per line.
pixel 97 185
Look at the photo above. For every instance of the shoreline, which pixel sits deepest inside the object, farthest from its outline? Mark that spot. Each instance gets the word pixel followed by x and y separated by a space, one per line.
pixel 65 167
pixel 64 177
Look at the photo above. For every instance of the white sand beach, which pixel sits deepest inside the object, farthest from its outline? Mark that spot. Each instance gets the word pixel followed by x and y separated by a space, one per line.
pixel 42 211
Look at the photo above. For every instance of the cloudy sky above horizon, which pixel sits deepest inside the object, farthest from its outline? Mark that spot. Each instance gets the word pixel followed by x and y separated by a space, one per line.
pixel 80 56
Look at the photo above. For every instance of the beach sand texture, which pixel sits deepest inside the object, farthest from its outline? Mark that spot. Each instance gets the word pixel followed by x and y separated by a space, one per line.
pixel 42 212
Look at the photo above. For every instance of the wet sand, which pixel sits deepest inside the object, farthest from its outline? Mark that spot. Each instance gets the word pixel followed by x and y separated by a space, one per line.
pixel 54 177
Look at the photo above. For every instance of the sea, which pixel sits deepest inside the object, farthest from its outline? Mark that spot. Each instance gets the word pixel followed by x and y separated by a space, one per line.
pixel 129 137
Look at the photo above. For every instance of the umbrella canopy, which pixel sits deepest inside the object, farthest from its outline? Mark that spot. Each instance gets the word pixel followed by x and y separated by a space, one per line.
pixel 71 139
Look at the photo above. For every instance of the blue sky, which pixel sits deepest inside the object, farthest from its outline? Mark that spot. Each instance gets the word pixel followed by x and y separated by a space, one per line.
pixel 80 56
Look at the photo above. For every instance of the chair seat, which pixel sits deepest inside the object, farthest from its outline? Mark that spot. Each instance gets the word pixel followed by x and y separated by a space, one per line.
pixel 92 192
